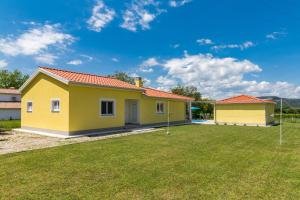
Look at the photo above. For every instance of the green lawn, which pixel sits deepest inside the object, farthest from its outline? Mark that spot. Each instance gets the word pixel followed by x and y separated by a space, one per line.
pixel 194 162
pixel 9 124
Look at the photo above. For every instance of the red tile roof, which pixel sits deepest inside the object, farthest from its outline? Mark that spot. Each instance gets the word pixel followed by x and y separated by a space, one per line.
pixel 110 82
pixel 243 99
pixel 90 79
pixel 9 91
pixel 161 94
pixel 10 105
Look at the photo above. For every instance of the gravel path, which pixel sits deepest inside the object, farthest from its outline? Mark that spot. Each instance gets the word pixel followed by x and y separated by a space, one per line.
pixel 11 142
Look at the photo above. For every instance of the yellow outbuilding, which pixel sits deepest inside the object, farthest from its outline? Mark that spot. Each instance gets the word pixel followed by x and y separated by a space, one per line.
pixel 65 103
pixel 245 110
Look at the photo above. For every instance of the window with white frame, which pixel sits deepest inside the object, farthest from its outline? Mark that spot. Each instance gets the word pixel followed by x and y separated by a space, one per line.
pixel 29 106
pixel 107 107
pixel 55 105
pixel 160 107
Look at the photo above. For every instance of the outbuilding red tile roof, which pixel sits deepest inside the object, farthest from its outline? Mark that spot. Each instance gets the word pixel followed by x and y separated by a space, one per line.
pixel 161 94
pixel 243 99
pixel 93 79
pixel 9 91
pixel 10 105
pixel 110 82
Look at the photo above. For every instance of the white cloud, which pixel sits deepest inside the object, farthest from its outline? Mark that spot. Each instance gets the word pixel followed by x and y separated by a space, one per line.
pixel 75 62
pixel 146 70
pixel 175 46
pixel 220 77
pixel 134 75
pixel 29 23
pixel 115 59
pixel 150 62
pixel 275 35
pixel 165 83
pixel 3 63
pixel 147 82
pixel 279 88
pixel 205 41
pixel 147 65
pixel 89 58
pixel 178 3
pixel 140 13
pixel 101 16
pixel 35 41
pixel 46 58
pixel 242 46
pixel 247 45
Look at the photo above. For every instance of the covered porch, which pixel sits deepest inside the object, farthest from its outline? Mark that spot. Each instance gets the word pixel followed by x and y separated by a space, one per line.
pixel 203 112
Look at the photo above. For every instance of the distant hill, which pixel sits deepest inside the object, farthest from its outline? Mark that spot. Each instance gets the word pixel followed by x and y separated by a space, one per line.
pixel 287 102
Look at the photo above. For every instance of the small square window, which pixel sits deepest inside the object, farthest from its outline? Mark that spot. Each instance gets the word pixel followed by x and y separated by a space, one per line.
pixel 107 107
pixel 55 106
pixel 160 107
pixel 29 106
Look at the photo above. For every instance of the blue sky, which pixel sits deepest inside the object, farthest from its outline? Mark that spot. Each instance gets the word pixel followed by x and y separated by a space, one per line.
pixel 222 47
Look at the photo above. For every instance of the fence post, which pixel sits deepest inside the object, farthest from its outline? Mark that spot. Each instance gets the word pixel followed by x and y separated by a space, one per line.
pixel 280 136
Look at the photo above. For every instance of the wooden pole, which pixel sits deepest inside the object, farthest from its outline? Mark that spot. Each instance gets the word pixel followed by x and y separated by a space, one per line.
pixel 190 111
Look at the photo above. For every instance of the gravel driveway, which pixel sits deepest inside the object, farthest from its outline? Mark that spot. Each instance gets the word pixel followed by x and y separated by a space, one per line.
pixel 16 142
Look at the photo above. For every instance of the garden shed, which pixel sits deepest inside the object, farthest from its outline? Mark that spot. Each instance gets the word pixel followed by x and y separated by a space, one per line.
pixel 245 110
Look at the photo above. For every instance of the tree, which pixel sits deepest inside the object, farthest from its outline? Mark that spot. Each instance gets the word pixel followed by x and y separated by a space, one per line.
pixel 189 91
pixel 205 110
pixel 123 76
pixel 13 79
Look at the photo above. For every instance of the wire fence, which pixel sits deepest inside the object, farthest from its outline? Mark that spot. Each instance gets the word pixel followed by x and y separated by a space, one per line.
pixel 290 124
pixel 290 131
pixel 288 118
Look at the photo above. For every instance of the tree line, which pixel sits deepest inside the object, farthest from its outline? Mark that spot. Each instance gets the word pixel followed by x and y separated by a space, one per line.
pixel 12 79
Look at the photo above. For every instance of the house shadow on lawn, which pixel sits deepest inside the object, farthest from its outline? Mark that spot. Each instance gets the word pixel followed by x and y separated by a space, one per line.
pixel 106 134
pixel 4 132
pixel 129 131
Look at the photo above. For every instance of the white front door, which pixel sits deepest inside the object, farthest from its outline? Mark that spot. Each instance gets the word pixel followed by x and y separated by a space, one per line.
pixel 131 111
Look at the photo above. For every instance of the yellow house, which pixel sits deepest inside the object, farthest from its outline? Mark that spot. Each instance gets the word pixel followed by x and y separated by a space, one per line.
pixel 65 103
pixel 245 110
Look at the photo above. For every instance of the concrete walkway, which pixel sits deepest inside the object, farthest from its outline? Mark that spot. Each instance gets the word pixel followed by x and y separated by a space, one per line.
pixel 11 142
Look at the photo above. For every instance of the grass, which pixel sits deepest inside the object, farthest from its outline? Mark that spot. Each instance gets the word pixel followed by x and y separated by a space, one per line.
pixel 9 124
pixel 194 162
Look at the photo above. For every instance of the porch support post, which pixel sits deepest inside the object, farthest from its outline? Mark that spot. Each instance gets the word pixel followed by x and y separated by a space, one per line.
pixel 190 111
pixel 215 117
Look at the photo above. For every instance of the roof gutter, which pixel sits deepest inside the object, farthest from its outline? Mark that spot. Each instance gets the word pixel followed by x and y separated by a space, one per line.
pixel 187 100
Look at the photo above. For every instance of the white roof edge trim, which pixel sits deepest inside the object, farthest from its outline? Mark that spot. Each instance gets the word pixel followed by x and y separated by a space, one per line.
pixel 38 71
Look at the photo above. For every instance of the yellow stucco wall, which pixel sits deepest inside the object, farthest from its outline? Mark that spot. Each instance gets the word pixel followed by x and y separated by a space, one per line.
pixel 85 108
pixel 149 115
pixel 241 113
pixel 80 106
pixel 40 91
